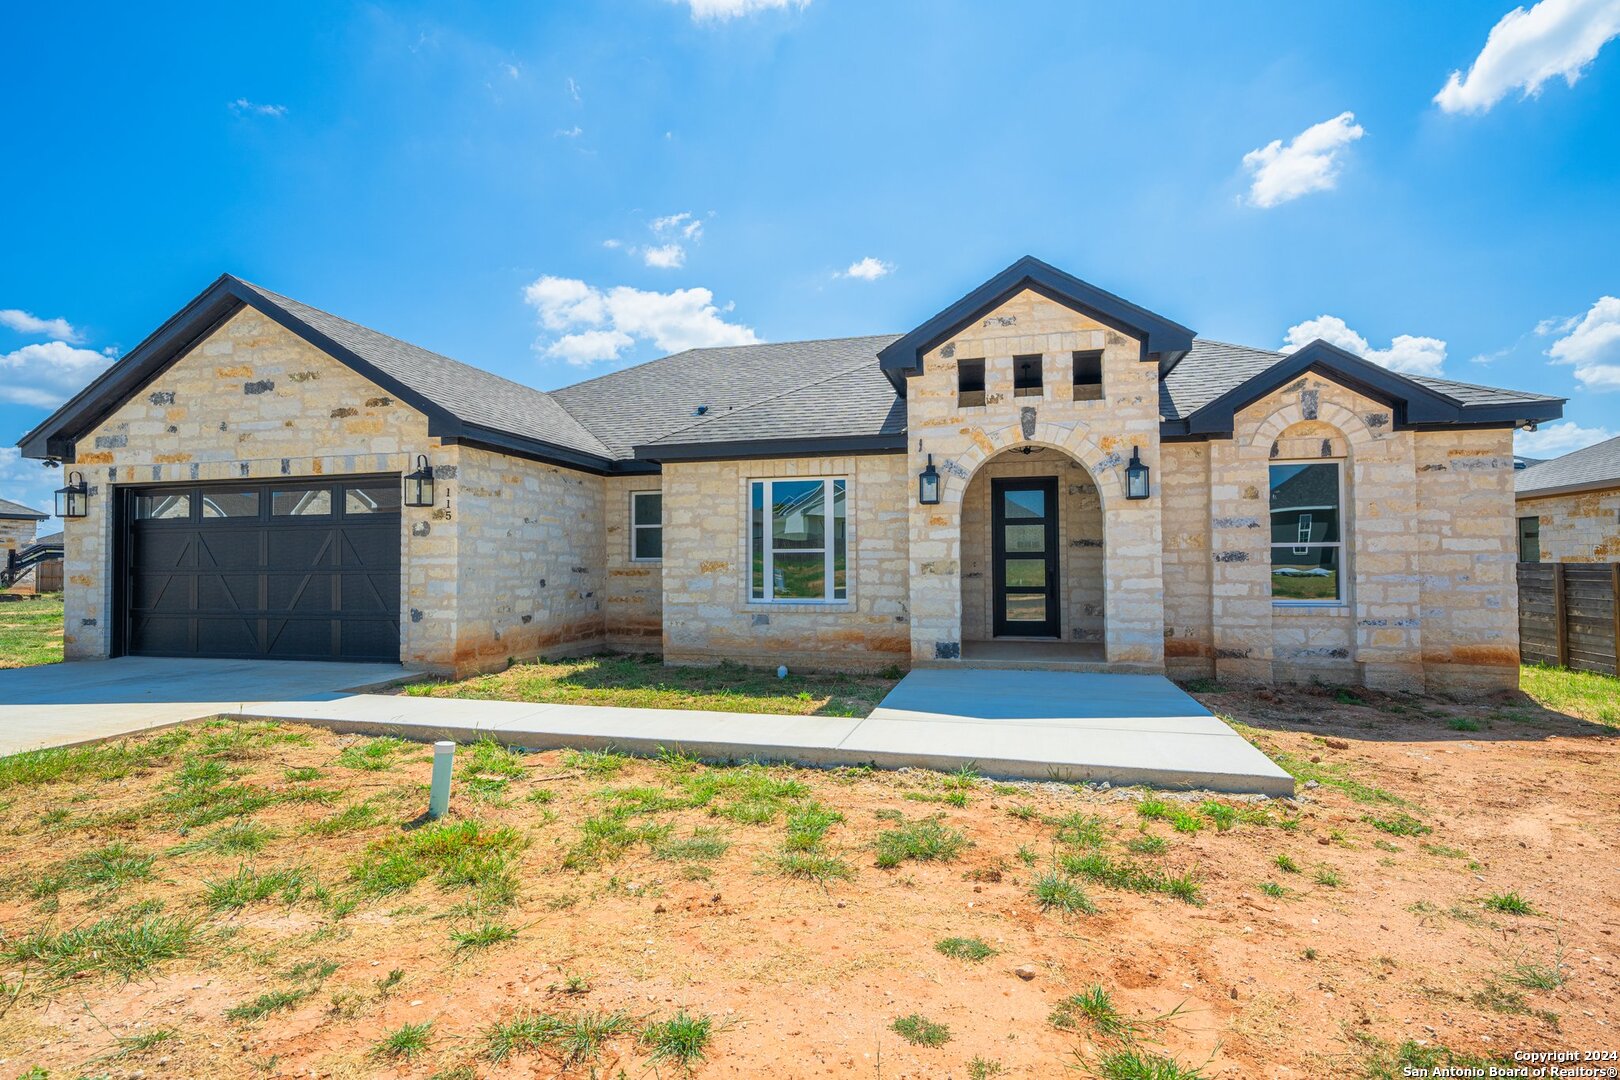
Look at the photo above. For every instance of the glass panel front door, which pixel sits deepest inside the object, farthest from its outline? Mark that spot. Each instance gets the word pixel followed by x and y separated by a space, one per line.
pixel 1024 557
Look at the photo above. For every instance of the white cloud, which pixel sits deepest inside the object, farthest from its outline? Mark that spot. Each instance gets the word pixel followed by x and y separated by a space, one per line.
pixel 868 269
pixel 1408 354
pixel 1556 325
pixel 664 256
pixel 27 323
pixel 684 224
pixel 243 106
pixel 1309 162
pixel 569 133
pixel 598 324
pixel 46 374
pixel 1551 440
pixel 1592 345
pixel 573 89
pixel 722 10
pixel 1526 48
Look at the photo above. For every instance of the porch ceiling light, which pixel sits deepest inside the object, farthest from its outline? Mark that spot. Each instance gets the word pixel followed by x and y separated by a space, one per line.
pixel 419 484
pixel 1136 476
pixel 73 501
pixel 928 484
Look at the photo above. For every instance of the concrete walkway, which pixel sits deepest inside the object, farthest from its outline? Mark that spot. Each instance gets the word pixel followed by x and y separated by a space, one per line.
pixel 1034 725
pixel 64 704
pixel 1037 725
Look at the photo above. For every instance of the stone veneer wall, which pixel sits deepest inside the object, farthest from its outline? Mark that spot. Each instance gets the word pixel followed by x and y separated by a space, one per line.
pixel 633 592
pixel 1080 542
pixel 1581 527
pixel 1098 433
pixel 1430 598
pixel 254 401
pixel 531 560
pixel 15 534
pixel 707 614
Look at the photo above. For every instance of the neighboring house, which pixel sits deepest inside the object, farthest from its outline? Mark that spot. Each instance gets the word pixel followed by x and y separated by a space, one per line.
pixel 1569 507
pixel 18 524
pixel 1310 515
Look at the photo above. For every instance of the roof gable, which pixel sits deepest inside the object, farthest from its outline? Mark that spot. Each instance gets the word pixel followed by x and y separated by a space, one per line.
pixel 1414 400
pixel 1162 340
pixel 16 511
pixel 460 401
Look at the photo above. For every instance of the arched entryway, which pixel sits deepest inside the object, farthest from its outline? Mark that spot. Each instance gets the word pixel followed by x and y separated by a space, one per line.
pixel 1032 559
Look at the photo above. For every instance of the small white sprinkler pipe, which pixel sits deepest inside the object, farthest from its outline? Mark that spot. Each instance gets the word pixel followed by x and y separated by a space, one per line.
pixel 444 759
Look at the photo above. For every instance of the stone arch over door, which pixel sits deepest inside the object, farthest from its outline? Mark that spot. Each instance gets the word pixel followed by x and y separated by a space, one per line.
pixel 1132 633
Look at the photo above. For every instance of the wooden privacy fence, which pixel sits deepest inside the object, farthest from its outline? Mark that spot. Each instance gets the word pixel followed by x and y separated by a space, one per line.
pixel 1569 615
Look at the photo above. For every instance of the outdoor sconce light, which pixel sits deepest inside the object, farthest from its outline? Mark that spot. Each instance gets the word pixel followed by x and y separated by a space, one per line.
pixel 73 501
pixel 419 484
pixel 1136 476
pixel 928 484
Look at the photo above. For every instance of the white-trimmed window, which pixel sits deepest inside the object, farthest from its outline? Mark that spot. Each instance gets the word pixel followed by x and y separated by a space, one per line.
pixel 646 526
pixel 797 547
pixel 1307 532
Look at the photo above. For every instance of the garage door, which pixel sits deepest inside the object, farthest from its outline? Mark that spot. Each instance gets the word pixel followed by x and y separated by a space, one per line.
pixel 296 570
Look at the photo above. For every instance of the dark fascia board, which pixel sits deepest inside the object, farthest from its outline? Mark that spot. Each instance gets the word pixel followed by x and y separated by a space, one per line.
pixel 1414 405
pixel 1612 484
pixel 57 435
pixel 32 515
pixel 1163 340
pixel 500 442
pixel 770 448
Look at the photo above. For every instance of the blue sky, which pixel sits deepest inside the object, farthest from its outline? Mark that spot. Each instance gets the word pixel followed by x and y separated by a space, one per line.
pixel 555 190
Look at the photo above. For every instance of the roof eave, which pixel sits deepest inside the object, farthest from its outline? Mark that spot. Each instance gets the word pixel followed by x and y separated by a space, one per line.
pixel 1612 484
pixel 737 449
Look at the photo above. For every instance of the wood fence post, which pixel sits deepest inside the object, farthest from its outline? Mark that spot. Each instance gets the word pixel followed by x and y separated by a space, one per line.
pixel 1560 615
pixel 1614 596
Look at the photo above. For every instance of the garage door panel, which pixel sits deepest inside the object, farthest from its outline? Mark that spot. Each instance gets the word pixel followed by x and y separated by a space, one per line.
pixel 368 594
pixel 297 545
pixel 238 592
pixel 227 636
pixel 311 574
pixel 161 592
pixel 230 547
pixel 369 548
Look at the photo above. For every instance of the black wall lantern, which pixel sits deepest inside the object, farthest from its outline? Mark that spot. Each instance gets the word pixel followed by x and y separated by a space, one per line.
pixel 928 484
pixel 419 484
pixel 73 501
pixel 1136 476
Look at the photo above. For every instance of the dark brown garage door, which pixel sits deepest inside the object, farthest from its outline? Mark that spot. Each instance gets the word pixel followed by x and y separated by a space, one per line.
pixel 295 570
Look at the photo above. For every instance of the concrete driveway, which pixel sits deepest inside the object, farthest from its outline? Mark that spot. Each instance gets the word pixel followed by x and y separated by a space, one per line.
pixel 63 704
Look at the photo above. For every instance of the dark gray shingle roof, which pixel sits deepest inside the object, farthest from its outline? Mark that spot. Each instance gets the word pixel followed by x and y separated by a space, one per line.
pixel 1595 466
pixel 472 394
pixel 645 403
pixel 1474 394
pixel 854 402
pixel 9 509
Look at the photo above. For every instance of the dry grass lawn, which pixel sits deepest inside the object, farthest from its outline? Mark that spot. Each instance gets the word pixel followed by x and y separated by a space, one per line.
pixel 263 900
pixel 31 631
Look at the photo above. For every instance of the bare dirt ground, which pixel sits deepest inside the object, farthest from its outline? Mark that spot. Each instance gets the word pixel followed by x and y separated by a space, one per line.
pixel 647 888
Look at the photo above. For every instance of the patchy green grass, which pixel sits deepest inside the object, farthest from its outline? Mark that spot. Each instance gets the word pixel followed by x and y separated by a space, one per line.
pixel 1134 1063
pixel 682 1038
pixel 1096 1007
pixel 705 844
pixel 405 1043
pixel 248 886
pixel 1334 775
pixel 373 754
pixel 1509 903
pixel 817 866
pixel 1398 825
pixel 1585 694
pixel 1410 1059
pixel 31 631
pixel 1055 891
pixel 92 762
pixel 1272 889
pixel 929 840
pixel 109 867
pixel 918 1030
pixel 482 936
pixel 644 682
pixel 462 854
pixel 965 948
pixel 1125 874
pixel 265 1005
pixel 237 838
pixel 123 945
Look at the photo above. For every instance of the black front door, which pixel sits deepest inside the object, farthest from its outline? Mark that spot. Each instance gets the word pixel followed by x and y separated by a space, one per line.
pixel 1023 524
pixel 285 570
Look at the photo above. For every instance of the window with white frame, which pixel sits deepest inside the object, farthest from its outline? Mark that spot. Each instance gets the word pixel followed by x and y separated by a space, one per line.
pixel 797 541
pixel 646 526
pixel 1307 534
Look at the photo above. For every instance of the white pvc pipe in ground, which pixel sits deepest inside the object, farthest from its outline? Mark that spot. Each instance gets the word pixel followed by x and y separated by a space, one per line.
pixel 444 758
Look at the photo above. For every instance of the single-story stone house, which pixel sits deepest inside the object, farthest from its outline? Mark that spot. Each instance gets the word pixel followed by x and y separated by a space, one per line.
pixel 1043 473
pixel 1569 507
pixel 18 523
